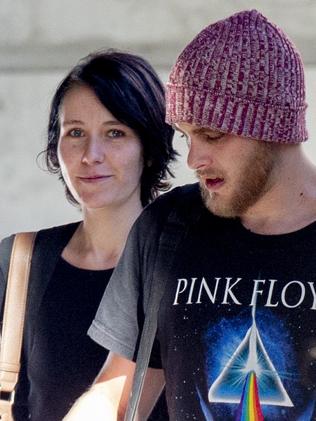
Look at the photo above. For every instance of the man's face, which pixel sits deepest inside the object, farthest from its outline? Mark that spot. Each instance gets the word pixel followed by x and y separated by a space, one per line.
pixel 234 172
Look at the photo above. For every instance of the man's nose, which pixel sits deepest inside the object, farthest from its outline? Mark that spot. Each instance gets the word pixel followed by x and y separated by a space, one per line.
pixel 199 155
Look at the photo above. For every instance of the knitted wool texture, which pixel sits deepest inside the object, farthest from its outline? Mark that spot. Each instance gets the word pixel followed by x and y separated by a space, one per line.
pixel 241 75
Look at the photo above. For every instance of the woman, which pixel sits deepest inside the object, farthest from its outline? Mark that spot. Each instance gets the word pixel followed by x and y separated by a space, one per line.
pixel 110 146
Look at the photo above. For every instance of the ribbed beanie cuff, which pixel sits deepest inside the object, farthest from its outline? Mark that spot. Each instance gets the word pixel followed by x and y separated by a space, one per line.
pixel 241 75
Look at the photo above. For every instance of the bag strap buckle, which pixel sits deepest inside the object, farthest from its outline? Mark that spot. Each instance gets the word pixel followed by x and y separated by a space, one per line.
pixel 6 396
pixel 6 405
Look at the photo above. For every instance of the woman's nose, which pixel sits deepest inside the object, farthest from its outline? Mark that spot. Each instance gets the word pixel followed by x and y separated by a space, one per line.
pixel 94 151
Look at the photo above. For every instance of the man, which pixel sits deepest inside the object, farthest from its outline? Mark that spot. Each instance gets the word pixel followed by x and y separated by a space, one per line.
pixel 236 328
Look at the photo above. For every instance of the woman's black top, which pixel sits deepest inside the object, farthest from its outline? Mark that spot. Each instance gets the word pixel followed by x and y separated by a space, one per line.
pixel 59 360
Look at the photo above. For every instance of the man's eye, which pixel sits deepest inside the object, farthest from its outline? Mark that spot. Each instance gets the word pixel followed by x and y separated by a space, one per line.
pixel 76 133
pixel 115 133
pixel 214 136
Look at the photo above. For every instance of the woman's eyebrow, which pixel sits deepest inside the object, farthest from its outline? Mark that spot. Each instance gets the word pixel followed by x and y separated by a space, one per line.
pixel 105 123
pixel 113 123
pixel 71 122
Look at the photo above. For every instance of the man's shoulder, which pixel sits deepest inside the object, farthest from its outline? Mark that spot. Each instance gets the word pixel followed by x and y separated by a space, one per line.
pixel 180 205
pixel 180 198
pixel 183 193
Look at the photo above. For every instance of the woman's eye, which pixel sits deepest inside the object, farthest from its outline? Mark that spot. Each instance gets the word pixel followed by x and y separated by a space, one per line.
pixel 76 133
pixel 115 133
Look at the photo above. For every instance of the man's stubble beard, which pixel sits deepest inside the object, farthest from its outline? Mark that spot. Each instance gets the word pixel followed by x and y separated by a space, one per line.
pixel 255 179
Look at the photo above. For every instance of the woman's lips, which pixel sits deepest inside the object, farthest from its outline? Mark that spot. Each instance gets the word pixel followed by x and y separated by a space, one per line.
pixel 214 183
pixel 94 178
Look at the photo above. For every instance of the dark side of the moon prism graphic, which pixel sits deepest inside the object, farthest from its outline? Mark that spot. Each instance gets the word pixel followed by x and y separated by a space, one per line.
pixel 250 356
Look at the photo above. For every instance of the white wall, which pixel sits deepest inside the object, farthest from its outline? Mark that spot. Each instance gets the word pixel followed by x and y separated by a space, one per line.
pixel 54 33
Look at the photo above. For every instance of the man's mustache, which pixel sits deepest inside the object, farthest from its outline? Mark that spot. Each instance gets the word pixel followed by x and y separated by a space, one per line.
pixel 203 174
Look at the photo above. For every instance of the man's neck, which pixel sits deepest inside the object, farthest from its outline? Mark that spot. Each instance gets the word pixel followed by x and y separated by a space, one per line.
pixel 290 202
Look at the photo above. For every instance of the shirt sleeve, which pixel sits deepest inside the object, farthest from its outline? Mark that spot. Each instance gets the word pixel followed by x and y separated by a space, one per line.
pixel 120 316
pixel 2 288
pixel 5 255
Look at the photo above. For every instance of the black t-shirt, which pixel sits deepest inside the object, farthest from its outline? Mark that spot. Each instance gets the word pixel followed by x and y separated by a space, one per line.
pixel 236 328
pixel 64 361
pixel 237 324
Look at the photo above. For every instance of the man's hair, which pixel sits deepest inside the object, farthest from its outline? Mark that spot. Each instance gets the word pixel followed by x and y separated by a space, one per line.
pixel 241 75
pixel 130 89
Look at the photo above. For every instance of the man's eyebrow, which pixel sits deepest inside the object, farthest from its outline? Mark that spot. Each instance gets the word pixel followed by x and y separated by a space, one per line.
pixel 176 128
pixel 203 130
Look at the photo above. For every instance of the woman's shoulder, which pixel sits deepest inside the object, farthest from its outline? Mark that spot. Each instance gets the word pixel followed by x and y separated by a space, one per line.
pixel 56 233
pixel 5 252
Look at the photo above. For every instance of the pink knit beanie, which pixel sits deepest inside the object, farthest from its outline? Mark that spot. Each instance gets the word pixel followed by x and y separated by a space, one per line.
pixel 241 75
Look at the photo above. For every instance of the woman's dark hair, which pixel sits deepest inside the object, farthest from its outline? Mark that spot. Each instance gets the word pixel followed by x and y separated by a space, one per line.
pixel 131 90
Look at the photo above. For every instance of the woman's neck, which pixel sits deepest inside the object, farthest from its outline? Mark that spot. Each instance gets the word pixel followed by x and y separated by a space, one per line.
pixel 99 240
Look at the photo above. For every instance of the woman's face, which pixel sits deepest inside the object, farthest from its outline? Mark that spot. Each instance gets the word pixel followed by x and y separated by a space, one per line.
pixel 100 158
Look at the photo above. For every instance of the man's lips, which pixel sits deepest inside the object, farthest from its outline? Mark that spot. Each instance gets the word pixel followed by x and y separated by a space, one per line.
pixel 214 183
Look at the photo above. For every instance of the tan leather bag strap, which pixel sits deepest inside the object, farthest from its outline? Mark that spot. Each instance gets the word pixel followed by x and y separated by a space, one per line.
pixel 14 312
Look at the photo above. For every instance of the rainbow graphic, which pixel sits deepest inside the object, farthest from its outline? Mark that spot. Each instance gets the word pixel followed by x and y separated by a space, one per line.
pixel 249 408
